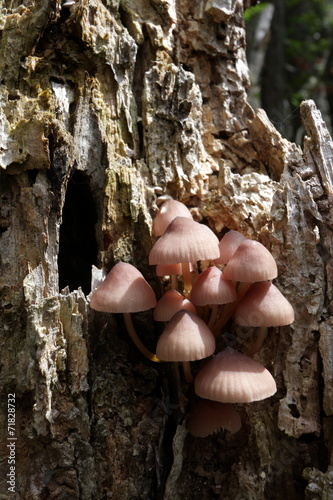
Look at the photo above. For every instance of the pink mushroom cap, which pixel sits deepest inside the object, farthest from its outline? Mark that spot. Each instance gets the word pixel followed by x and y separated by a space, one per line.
pixel 168 305
pixel 124 290
pixel 211 287
pixel 251 262
pixel 185 241
pixel 228 246
pixel 232 377
pixel 167 212
pixel 264 305
pixel 185 338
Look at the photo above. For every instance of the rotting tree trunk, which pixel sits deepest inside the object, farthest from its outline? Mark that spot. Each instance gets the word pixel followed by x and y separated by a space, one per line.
pixel 104 106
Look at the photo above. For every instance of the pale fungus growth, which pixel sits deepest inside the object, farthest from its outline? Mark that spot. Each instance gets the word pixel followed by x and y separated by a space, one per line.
pixel 193 315
pixel 169 304
pixel 167 213
pixel 232 377
pixel 185 241
pixel 125 290
pixel 211 288
pixel 251 262
pixel 185 338
pixel 263 306
pixel 228 246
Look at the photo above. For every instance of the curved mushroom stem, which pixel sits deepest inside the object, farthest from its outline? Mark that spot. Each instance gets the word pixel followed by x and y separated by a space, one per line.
pixel 187 277
pixel 229 309
pixel 132 333
pixel 204 313
pixel 187 372
pixel 213 316
pixel 262 332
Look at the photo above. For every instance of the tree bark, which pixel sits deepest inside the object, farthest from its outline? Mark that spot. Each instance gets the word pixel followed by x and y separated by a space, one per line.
pixel 105 106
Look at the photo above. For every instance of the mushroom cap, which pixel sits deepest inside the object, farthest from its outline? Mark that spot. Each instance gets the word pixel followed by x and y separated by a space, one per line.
pixel 208 416
pixel 171 302
pixel 185 241
pixel 185 338
pixel 210 287
pixel 232 377
pixel 169 211
pixel 264 305
pixel 251 262
pixel 124 290
pixel 228 246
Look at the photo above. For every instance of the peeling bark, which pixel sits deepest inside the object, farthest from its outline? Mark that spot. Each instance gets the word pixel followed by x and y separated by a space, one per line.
pixel 114 104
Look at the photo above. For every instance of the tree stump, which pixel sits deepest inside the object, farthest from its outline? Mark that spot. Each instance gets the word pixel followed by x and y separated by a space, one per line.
pixel 106 107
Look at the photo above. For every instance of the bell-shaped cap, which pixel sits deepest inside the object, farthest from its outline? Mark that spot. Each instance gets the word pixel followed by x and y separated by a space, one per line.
pixel 264 305
pixel 228 246
pixel 124 290
pixel 185 338
pixel 169 304
pixel 232 377
pixel 169 211
pixel 208 416
pixel 210 287
pixel 251 262
pixel 185 241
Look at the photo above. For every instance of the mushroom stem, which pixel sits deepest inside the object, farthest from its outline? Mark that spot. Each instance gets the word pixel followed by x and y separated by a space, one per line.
pixel 205 313
pixel 174 282
pixel 262 332
pixel 229 309
pixel 187 277
pixel 213 316
pixel 187 372
pixel 132 333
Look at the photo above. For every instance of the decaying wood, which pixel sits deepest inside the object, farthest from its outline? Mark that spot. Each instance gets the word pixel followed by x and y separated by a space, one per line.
pixel 133 100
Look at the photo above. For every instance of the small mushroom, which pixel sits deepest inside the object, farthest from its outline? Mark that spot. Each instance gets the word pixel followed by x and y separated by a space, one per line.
pixel 208 416
pixel 232 377
pixel 250 263
pixel 125 290
pixel 185 338
pixel 228 246
pixel 169 304
pixel 211 288
pixel 263 306
pixel 185 241
pixel 167 213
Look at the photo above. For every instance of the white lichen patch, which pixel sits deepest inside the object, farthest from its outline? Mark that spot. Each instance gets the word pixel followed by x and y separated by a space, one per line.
pixel 64 96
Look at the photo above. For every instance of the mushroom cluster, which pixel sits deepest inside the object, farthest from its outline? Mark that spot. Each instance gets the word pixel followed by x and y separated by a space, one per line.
pixel 233 281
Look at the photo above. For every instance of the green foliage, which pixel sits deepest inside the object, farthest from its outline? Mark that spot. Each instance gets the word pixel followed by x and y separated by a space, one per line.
pixel 306 45
pixel 252 12
pixel 301 41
